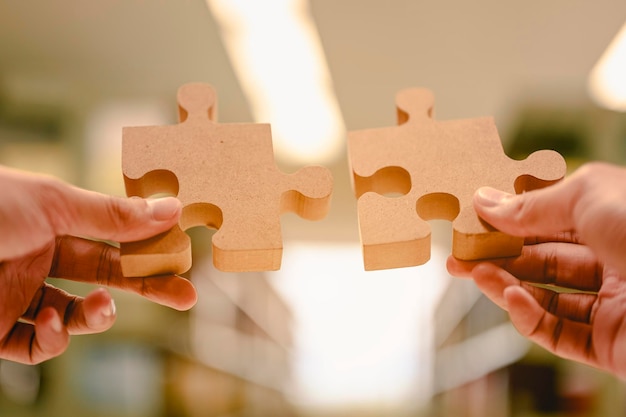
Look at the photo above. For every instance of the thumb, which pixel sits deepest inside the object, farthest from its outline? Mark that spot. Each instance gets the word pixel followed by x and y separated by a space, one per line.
pixel 590 202
pixel 80 212
pixel 534 213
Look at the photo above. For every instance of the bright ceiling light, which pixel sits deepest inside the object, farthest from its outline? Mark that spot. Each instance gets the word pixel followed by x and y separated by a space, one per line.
pixel 607 81
pixel 277 55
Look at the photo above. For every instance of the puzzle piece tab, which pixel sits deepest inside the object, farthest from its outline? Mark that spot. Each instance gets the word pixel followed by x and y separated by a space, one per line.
pixel 226 178
pixel 425 169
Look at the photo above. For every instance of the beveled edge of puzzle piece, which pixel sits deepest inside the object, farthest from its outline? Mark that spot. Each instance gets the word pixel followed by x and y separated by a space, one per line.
pixel 165 253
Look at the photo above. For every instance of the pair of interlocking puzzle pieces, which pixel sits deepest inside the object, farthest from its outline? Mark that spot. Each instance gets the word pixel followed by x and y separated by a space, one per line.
pixel 226 178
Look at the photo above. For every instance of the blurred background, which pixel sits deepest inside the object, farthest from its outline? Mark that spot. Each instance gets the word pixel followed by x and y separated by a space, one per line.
pixel 320 337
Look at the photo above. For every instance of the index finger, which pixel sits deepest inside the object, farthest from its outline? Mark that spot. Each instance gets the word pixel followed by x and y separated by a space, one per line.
pixel 562 264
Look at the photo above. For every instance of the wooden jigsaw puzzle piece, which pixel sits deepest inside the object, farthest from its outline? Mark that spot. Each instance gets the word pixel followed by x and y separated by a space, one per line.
pixel 473 238
pixel 437 167
pixel 392 235
pixel 251 240
pixel 226 178
pixel 166 253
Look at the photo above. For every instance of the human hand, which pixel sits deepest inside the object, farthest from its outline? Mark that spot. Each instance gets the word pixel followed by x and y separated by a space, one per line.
pixel 44 222
pixel 575 238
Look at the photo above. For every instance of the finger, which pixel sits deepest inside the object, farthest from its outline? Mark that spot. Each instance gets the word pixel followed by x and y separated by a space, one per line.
pixel 168 290
pixel 544 211
pixel 99 263
pixel 49 296
pixel 35 343
pixel 608 322
pixel 565 338
pixel 74 211
pixel 463 269
pixel 562 264
pixel 92 314
pixel 534 213
pixel 458 268
pixel 590 202
pixel 570 306
pixel 565 237
pixel 51 337
pixel 566 265
pixel 493 281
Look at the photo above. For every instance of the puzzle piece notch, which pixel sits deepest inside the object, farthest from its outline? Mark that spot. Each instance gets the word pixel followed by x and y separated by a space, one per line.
pixel 226 178
pixel 439 165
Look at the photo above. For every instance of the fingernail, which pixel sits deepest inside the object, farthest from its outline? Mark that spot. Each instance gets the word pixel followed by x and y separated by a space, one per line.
pixel 490 197
pixel 56 324
pixel 110 310
pixel 164 208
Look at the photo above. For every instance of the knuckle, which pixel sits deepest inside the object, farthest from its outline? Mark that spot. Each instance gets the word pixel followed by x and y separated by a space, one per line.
pixel 552 302
pixel 591 174
pixel 119 215
pixel 592 168
pixel 54 204
pixel 556 333
pixel 70 309
pixel 524 213
pixel 108 265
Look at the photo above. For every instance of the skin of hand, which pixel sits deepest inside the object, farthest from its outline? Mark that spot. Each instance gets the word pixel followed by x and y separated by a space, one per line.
pixel 48 228
pixel 575 237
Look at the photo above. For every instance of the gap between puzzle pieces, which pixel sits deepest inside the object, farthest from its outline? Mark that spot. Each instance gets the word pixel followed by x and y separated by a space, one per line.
pixel 226 178
pixel 433 169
